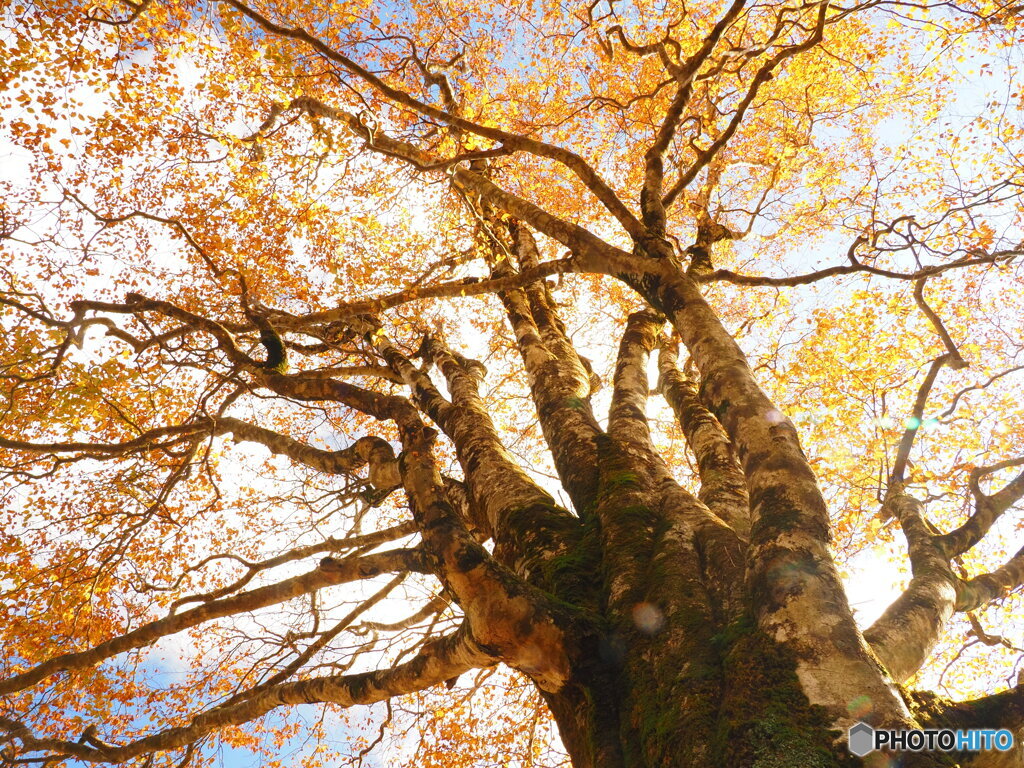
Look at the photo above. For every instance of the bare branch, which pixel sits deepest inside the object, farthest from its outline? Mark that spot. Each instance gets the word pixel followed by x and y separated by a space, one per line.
pixel 651 196
pixel 330 544
pixel 856 266
pixel 438 661
pixel 374 451
pixel 906 633
pixel 329 573
pixel 465 287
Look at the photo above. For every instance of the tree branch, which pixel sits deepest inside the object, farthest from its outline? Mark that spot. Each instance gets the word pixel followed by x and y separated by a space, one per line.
pixel 976 592
pixel 376 452
pixel 905 634
pixel 722 485
pixel 654 173
pixel 438 661
pixel 591 253
pixel 764 74
pixel 330 572
pixel 956 362
pixel 899 465
pixel 510 141
pixel 987 508
pixel 856 266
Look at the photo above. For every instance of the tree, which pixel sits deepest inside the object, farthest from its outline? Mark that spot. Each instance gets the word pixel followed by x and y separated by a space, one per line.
pixel 257 248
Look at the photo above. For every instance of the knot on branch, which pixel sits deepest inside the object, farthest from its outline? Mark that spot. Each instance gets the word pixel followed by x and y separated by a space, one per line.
pixel 700 260
pixel 277 352
pixel 654 247
pixel 366 325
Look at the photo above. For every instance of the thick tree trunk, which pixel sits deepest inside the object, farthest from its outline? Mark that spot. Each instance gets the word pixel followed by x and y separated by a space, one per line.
pixel 708 646
pixel 675 680
pixel 745 708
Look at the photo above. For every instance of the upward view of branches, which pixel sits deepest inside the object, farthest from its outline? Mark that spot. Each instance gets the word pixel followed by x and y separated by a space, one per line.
pixel 522 384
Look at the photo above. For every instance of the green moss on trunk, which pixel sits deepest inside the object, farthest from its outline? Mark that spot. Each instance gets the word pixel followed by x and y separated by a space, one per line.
pixel 765 719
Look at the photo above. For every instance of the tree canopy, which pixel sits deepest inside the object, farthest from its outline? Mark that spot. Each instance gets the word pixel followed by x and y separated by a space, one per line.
pixel 609 384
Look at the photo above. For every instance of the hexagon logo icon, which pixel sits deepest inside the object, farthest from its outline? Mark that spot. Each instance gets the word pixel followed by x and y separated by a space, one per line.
pixel 861 738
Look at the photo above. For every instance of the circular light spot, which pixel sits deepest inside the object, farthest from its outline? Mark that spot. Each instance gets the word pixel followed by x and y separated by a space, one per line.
pixel 860 707
pixel 648 618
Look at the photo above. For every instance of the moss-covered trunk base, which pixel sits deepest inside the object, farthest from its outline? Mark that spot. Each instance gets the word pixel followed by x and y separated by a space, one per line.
pixel 760 717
